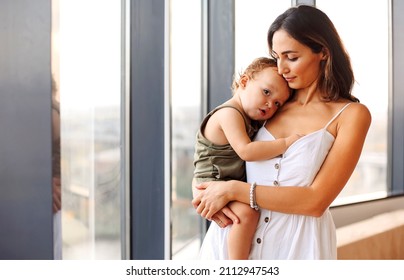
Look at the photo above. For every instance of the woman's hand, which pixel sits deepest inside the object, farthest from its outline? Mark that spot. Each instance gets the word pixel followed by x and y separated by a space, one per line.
pixel 225 217
pixel 212 197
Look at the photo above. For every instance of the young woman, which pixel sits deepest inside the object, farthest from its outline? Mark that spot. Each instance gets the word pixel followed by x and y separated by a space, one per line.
pixel 294 191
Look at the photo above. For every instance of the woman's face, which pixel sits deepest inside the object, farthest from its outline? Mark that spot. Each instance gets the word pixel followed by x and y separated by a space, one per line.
pixel 297 63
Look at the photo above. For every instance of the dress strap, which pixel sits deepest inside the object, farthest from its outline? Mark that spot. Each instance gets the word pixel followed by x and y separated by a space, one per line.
pixel 337 114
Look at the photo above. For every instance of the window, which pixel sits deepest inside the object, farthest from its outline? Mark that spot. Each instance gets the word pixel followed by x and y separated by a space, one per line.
pixel 252 20
pixel 87 68
pixel 186 73
pixel 369 179
pixel 87 59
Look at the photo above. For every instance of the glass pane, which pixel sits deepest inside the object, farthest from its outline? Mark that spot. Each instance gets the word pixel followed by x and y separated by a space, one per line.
pixel 372 88
pixel 56 169
pixel 185 71
pixel 252 20
pixel 87 72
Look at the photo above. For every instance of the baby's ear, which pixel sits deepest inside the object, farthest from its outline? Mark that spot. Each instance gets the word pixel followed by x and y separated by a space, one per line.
pixel 243 81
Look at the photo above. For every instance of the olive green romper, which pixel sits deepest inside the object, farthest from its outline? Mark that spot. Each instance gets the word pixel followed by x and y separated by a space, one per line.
pixel 219 162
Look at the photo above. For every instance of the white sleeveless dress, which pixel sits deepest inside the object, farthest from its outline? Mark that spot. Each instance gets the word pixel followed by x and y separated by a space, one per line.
pixel 285 236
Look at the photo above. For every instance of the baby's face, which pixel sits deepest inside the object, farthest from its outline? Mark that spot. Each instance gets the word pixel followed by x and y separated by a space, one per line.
pixel 265 94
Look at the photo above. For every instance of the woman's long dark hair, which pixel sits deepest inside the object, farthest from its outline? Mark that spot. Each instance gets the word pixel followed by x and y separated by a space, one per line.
pixel 313 28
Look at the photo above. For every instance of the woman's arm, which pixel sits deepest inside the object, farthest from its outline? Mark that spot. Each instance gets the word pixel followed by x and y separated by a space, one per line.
pixel 312 200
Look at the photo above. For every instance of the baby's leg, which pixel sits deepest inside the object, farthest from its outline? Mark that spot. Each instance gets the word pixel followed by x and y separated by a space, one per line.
pixel 241 234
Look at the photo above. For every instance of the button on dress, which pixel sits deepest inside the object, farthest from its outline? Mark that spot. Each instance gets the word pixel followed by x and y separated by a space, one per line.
pixel 282 236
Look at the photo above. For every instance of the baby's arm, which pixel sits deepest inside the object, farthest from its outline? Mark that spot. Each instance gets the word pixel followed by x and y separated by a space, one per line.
pixel 227 126
pixel 261 150
pixel 234 129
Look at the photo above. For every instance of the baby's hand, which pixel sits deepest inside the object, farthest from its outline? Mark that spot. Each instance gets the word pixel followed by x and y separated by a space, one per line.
pixel 292 139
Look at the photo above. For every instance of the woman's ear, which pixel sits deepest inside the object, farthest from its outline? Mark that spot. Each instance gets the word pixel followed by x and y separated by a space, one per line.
pixel 325 53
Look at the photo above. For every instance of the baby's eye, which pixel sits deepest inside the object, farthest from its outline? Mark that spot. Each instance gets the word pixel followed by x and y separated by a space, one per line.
pixel 278 104
pixel 266 92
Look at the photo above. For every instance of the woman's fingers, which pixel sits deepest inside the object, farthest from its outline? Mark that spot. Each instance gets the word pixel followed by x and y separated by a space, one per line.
pixel 204 211
pixel 220 223
pixel 196 201
pixel 198 197
pixel 221 219
pixel 230 215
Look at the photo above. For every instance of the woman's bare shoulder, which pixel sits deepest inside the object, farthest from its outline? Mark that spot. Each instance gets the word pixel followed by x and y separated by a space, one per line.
pixel 356 117
pixel 359 110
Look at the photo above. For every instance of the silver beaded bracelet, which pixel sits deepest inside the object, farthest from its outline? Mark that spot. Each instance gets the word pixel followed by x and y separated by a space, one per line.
pixel 253 201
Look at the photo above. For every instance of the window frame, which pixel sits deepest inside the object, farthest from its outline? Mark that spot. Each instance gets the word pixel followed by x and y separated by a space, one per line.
pixel 148 220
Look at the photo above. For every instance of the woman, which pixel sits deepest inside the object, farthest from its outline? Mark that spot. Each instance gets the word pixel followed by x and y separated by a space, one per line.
pixel 294 191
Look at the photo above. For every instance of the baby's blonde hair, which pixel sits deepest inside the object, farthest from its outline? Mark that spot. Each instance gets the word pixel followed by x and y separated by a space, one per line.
pixel 256 66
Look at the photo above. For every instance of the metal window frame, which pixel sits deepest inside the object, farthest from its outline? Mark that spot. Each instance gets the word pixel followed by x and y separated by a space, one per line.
pixel 25 119
pixel 125 131
pixel 396 104
pixel 220 53
pixel 147 135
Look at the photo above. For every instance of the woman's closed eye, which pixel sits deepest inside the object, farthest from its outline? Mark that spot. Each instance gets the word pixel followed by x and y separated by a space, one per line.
pixel 290 58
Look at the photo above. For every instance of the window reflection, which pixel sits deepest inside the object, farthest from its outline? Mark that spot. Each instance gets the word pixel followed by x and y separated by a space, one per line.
pixel 56 159
pixel 185 54
pixel 56 170
pixel 87 70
